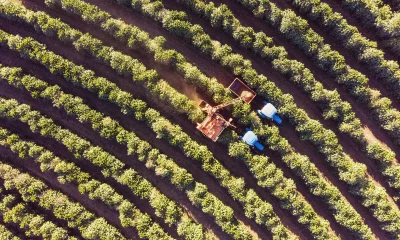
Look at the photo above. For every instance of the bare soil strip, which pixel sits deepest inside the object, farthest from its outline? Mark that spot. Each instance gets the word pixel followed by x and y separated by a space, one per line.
pixel 70 190
pixel 14 228
pixel 67 51
pixel 351 60
pixel 303 101
pixel 291 138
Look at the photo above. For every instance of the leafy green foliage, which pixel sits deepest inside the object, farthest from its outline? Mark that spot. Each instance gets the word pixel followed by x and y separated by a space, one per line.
pixel 34 225
pixel 33 190
pixel 68 172
pixel 324 139
pixel 191 145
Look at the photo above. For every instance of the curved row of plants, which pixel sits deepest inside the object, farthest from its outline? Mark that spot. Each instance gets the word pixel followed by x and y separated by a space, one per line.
pixel 163 125
pixel 160 125
pixel 350 38
pixel 7 234
pixel 373 195
pixel 318 230
pixel 273 178
pixel 35 191
pixel 299 33
pixel 129 36
pixel 68 172
pixel 316 181
pixel 108 128
pixel 165 208
pixel 15 211
pixel 303 211
pixel 380 15
pixel 330 101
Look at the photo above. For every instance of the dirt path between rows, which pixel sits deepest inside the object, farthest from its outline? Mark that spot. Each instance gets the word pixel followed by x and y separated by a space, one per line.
pixel 113 147
pixel 351 59
pixel 367 31
pixel 290 136
pixel 305 103
pixel 141 93
pixel 62 119
pixel 226 77
pixel 140 22
pixel 247 19
pixel 329 83
pixel 72 192
pixel 14 228
pixel 140 129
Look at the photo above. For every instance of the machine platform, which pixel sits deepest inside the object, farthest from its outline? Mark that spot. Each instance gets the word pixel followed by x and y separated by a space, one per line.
pixel 214 124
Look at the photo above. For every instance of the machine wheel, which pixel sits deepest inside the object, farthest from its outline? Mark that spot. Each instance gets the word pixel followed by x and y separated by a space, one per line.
pixel 260 113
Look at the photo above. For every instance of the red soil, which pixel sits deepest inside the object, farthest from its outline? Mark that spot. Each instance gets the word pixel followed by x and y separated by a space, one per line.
pixel 225 77
pixel 50 179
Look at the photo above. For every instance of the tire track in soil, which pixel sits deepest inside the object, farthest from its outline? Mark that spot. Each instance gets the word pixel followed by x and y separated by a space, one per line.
pixel 153 26
pixel 50 179
pixel 56 49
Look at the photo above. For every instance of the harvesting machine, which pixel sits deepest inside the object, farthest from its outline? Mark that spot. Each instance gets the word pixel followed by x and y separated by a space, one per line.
pixel 214 124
